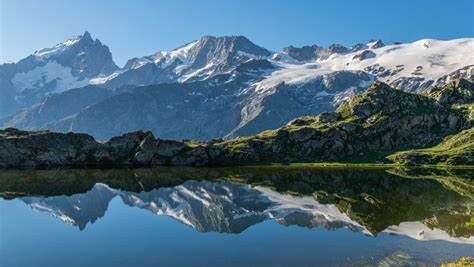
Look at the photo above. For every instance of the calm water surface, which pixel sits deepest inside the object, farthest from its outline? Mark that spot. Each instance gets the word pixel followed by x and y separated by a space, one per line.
pixel 235 217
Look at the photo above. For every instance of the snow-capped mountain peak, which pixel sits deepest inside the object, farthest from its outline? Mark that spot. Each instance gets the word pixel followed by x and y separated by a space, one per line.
pixel 312 53
pixel 69 64
pixel 198 60
pixel 374 44
pixel 182 53
pixel 84 39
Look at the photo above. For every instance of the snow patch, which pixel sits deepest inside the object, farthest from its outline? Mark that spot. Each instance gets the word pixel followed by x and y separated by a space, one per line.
pixel 182 53
pixel 41 76
pixel 48 52
pixel 104 79
pixel 249 55
pixel 419 231
pixel 286 204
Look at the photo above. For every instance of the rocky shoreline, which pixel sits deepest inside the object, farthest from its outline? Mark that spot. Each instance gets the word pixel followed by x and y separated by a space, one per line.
pixel 367 128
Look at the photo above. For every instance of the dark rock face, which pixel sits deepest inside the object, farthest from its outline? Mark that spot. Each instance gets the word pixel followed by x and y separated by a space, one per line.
pixel 364 55
pixel 57 107
pixel 338 48
pixel 377 44
pixel 305 53
pixel 358 47
pixel 314 52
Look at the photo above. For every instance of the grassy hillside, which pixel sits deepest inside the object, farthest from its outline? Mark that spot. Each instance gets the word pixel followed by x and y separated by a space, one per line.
pixel 457 149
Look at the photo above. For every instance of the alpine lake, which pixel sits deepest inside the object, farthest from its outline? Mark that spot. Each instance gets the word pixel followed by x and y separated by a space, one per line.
pixel 296 215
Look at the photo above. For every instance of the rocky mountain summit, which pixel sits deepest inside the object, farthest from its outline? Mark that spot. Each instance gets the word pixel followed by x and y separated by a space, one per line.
pixel 67 65
pixel 199 60
pixel 366 128
pixel 315 52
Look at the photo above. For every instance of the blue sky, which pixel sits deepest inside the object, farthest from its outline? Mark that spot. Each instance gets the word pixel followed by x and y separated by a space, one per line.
pixel 139 27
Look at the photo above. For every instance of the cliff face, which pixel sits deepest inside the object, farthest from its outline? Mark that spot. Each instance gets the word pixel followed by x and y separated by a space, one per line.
pixel 366 128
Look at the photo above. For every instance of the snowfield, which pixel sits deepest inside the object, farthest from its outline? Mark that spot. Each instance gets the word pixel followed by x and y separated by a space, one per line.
pixel 42 76
pixel 428 58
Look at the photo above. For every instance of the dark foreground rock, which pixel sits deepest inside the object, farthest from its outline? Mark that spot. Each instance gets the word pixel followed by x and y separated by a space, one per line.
pixel 367 128
pixel 47 149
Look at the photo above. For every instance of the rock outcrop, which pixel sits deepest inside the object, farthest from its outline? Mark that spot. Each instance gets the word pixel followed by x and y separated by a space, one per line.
pixel 460 91
pixel 364 55
pixel 44 149
pixel 457 149
pixel 67 65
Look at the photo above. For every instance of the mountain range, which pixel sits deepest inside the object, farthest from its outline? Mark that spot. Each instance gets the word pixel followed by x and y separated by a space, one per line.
pixel 214 87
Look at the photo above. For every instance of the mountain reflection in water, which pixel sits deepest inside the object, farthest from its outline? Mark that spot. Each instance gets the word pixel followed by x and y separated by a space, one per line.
pixel 420 205
pixel 206 206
